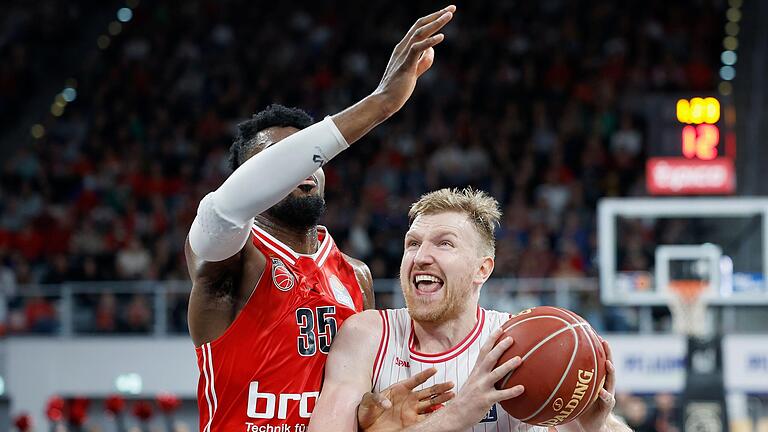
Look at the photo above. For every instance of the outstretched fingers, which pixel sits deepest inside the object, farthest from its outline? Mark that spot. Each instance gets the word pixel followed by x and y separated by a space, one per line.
pixel 512 392
pixel 433 27
pixel 431 398
pixel 428 19
pixel 418 379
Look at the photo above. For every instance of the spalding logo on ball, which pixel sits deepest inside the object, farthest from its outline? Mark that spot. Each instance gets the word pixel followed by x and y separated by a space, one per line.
pixel 281 276
pixel 563 366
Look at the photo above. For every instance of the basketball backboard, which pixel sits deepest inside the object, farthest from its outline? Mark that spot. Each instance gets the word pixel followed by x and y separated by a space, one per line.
pixel 644 244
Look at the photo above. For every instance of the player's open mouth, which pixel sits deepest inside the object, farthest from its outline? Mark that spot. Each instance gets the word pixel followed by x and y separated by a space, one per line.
pixel 427 283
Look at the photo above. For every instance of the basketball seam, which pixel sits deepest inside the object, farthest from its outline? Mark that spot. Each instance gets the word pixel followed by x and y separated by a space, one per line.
pixel 537 346
pixel 594 357
pixel 571 327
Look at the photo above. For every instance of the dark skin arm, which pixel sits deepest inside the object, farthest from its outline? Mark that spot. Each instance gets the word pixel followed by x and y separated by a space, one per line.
pixel 364 279
pixel 220 290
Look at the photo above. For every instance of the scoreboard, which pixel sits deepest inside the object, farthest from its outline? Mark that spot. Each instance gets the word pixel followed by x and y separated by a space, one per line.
pixel 692 145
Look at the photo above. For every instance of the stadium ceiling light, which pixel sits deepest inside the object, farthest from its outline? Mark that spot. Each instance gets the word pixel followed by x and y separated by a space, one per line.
pixel 728 57
pixel 57 110
pixel 727 73
pixel 37 131
pixel 124 14
pixel 732 28
pixel 69 94
pixel 733 15
pixel 730 43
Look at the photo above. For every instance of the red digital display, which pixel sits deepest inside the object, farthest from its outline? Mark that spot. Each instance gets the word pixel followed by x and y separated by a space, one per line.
pixel 699 165
pixel 700 142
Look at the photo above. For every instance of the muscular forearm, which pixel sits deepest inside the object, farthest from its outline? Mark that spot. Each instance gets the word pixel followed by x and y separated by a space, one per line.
pixel 357 120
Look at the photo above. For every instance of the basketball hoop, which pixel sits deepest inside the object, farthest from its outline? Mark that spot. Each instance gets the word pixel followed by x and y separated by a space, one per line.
pixel 688 306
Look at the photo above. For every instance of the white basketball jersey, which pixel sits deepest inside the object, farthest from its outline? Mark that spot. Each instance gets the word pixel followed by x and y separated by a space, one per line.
pixel 396 360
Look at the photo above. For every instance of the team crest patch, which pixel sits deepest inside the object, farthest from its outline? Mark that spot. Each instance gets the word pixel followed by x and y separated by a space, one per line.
pixel 281 276
pixel 340 292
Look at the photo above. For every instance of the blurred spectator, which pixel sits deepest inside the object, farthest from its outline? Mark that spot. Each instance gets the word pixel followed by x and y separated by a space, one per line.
pixel 106 313
pixel 138 315
pixel 133 261
pixel 636 413
pixel 537 115
pixel 40 315
pixel 666 413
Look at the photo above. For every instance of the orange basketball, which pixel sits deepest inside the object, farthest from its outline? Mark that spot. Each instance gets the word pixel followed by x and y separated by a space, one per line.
pixel 563 366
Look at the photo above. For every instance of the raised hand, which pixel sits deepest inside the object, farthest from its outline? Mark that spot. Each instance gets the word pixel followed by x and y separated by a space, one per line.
pixel 399 406
pixel 411 58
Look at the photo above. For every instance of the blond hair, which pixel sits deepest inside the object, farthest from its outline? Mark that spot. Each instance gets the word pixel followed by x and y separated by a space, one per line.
pixel 481 209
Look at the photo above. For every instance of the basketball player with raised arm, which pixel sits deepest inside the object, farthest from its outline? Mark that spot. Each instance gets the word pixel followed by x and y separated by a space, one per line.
pixel 270 287
pixel 448 256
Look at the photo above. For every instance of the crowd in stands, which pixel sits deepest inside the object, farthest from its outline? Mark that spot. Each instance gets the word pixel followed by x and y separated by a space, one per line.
pixel 529 102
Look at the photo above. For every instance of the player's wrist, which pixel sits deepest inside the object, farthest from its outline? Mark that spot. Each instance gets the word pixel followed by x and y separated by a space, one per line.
pixel 382 104
pixel 452 419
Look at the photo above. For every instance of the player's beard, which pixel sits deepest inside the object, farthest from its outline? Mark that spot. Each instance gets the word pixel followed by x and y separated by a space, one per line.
pixel 445 309
pixel 299 212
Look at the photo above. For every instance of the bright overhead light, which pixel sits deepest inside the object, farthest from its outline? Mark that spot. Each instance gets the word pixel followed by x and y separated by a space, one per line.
pixel 728 58
pixel 727 73
pixel 124 14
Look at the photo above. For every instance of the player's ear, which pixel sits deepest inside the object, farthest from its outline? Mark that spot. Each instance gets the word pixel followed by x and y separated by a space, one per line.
pixel 484 270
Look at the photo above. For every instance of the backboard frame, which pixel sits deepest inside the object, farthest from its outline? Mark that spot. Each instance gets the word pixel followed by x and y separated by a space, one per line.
pixel 609 209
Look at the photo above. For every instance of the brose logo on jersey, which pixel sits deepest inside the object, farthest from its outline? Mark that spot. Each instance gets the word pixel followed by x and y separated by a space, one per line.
pixel 276 405
pixel 281 276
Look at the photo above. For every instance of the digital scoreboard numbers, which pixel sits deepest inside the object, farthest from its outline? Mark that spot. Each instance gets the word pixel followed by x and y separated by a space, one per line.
pixel 692 144
pixel 701 135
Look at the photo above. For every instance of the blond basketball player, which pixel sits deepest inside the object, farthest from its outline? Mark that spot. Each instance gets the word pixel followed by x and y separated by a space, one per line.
pixel 448 256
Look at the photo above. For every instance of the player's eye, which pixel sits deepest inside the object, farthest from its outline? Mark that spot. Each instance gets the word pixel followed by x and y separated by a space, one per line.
pixel 413 243
pixel 446 243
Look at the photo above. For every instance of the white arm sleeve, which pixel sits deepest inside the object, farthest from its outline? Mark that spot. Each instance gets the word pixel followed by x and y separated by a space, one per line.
pixel 224 217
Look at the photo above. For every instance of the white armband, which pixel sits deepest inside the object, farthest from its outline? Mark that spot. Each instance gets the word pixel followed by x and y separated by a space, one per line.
pixel 213 237
pixel 225 216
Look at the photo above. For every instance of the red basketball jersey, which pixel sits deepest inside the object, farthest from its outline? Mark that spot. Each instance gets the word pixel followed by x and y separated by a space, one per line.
pixel 264 373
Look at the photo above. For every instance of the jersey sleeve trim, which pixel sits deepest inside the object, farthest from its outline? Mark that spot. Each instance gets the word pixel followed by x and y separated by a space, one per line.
pixel 210 385
pixel 383 345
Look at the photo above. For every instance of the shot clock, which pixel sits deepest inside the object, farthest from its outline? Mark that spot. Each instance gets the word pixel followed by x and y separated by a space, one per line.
pixel 692 146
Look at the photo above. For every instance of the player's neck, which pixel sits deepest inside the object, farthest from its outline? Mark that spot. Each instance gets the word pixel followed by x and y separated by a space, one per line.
pixel 433 338
pixel 303 241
